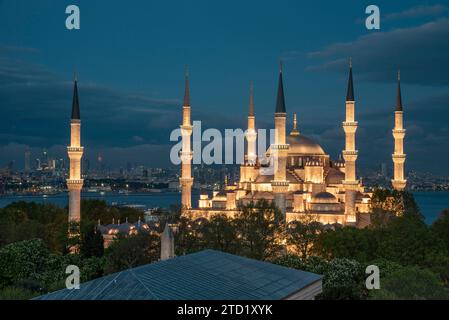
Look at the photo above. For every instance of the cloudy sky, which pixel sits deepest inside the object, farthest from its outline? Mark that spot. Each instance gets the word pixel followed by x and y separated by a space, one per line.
pixel 130 58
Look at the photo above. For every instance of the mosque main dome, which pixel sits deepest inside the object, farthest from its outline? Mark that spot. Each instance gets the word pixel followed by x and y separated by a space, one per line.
pixel 302 145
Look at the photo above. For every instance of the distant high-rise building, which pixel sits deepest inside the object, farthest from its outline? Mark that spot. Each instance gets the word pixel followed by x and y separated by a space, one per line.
pixel 383 169
pixel 27 165
pixel 11 165
pixel 44 158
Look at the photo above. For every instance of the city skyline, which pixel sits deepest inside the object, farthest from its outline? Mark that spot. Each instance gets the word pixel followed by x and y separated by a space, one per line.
pixel 140 98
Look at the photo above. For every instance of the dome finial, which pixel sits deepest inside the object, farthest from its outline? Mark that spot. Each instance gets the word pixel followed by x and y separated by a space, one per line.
pixel 295 131
pixel 350 62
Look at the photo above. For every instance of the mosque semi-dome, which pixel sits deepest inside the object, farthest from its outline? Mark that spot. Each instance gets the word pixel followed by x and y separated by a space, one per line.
pixel 324 197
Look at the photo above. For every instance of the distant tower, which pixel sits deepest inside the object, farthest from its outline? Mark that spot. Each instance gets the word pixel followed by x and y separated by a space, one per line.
pixel 398 156
pixel 251 134
pixel 350 152
pixel 279 149
pixel 186 179
pixel 75 152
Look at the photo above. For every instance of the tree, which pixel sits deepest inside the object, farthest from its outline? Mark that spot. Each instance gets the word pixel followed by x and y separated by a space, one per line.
pixel 440 228
pixel 301 235
pixel 410 283
pixel 188 237
pixel 22 260
pixel 260 230
pixel 343 278
pixel 348 242
pixel 220 234
pixel 131 251
pixel 92 244
pixel 399 203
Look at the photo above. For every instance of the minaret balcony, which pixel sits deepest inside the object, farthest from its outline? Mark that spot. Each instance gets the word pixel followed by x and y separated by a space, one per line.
pixel 186 181
pixel 398 158
pixel 398 133
pixel 186 156
pixel 350 155
pixel 350 127
pixel 280 146
pixel 186 130
pixel 279 186
pixel 75 149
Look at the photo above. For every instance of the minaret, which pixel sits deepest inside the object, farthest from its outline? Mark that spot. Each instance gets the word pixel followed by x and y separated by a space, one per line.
pixel 186 179
pixel 251 134
pixel 280 149
pixel 75 153
pixel 398 156
pixel 350 152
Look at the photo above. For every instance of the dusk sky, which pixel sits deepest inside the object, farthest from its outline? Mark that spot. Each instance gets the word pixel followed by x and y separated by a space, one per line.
pixel 130 58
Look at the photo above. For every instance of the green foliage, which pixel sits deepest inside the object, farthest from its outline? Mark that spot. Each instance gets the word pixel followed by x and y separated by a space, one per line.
pixel 220 234
pixel 24 221
pixel 16 293
pixel 301 236
pixel 259 230
pixel 255 232
pixel 132 251
pixel 30 265
pixel 343 278
pixel 348 242
pixel 22 260
pixel 398 203
pixel 189 237
pixel 410 283
pixel 440 228
pixel 93 210
pixel 92 242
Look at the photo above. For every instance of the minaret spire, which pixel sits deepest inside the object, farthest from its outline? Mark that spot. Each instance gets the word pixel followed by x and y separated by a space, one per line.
pixel 280 101
pixel 398 182
pixel 186 88
pixel 398 93
pixel 75 102
pixel 251 100
pixel 350 91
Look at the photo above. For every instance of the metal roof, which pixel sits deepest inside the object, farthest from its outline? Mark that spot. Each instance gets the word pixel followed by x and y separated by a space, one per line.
pixel 206 275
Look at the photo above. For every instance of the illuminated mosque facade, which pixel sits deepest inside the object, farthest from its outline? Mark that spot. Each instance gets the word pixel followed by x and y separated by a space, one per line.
pixel 304 182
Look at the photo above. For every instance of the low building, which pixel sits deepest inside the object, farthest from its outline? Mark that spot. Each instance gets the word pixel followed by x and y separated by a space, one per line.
pixel 205 275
